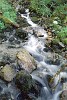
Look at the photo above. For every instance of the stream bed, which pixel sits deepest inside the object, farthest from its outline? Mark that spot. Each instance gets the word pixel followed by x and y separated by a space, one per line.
pixel 47 62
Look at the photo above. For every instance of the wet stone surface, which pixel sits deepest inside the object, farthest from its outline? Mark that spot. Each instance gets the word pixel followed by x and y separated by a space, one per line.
pixel 23 81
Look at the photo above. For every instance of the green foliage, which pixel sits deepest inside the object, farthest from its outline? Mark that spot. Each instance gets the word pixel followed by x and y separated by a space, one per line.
pixel 60 11
pixel 50 7
pixel 56 10
pixel 2 25
pixel 40 6
pixel 63 33
pixel 7 11
pixel 64 41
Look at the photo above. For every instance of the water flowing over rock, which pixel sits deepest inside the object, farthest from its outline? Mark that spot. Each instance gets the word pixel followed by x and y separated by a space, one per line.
pixel 30 69
pixel 27 61
pixel 39 31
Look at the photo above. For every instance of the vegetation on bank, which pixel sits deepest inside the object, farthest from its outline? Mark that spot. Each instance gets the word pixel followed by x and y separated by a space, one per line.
pixel 56 12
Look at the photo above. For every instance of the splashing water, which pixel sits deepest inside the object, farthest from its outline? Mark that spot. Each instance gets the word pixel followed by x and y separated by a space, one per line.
pixel 35 46
pixel 39 30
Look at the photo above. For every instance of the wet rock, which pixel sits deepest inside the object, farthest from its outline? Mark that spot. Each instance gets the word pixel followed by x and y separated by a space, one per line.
pixel 63 95
pixel 28 29
pixel 56 62
pixel 6 59
pixel 29 63
pixel 7 73
pixel 6 96
pixel 23 80
pixel 1 89
pixel 21 33
pixel 52 58
pixel 8 55
pixel 23 96
pixel 39 31
pixel 47 49
pixel 49 78
pixel 22 22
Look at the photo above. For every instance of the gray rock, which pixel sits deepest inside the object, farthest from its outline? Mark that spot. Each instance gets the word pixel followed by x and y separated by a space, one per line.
pixel 10 52
pixel 6 96
pixel 63 95
pixel 27 61
pixel 21 33
pixel 7 73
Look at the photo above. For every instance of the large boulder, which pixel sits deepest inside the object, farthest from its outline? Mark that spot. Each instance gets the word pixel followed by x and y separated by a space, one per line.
pixel 27 61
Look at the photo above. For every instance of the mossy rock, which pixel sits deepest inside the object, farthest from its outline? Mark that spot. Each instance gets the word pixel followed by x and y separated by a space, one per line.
pixel 7 14
pixel 23 81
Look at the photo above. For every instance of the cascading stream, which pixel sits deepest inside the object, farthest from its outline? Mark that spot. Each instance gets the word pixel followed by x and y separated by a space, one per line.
pixel 35 46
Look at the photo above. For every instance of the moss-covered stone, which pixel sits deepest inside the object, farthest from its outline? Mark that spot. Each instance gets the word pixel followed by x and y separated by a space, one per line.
pixel 23 81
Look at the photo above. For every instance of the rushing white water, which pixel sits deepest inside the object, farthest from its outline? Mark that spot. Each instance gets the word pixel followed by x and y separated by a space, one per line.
pixel 26 16
pixel 35 46
pixel 38 30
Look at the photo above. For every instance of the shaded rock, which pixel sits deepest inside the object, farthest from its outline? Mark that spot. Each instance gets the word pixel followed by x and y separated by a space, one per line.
pixel 29 63
pixel 21 33
pixel 1 89
pixel 6 96
pixel 23 96
pixel 49 78
pixel 28 29
pixel 6 59
pixel 63 95
pixel 8 55
pixel 7 73
pixel 56 62
pixel 23 80
pixel 64 85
